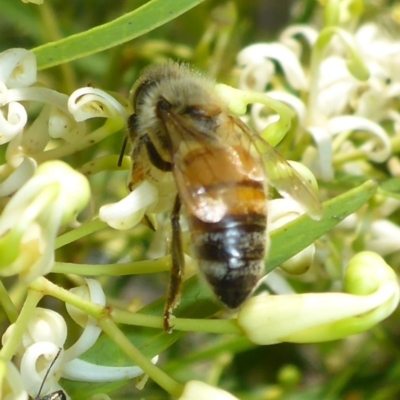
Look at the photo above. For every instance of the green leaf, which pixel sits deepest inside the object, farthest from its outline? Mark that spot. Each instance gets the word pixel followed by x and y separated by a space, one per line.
pixel 390 188
pixel 297 235
pixel 127 27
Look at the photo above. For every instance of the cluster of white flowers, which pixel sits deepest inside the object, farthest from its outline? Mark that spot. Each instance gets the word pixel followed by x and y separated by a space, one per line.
pixel 344 99
pixel 42 347
pixel 45 198
pixel 346 93
pixel 350 86
pixel 51 195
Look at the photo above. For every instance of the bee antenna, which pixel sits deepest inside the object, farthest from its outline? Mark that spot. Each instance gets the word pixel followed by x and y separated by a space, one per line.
pixel 122 153
pixel 47 374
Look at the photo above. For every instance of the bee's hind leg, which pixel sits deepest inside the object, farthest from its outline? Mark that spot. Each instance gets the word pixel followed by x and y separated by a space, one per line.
pixel 178 266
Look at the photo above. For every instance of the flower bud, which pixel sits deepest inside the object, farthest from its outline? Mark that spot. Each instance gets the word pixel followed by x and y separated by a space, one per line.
pixel 372 295
pixel 196 390
pixel 31 220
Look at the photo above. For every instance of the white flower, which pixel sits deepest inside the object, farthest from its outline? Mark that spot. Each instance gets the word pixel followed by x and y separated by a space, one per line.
pixel 30 221
pixel 17 75
pixel 384 237
pixel 254 61
pixel 371 294
pixel 17 68
pixel 336 85
pixel 35 364
pixel 89 102
pixel 129 211
pixel 281 212
pixel 11 385
pixel 197 390
pixel 44 341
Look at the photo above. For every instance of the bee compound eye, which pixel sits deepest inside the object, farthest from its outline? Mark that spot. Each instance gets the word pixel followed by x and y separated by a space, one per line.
pixel 163 105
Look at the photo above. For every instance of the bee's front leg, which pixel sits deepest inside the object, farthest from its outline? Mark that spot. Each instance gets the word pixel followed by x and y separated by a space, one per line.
pixel 177 269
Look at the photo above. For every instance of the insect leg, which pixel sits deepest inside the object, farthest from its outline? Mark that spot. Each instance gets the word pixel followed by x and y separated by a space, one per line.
pixel 154 157
pixel 178 265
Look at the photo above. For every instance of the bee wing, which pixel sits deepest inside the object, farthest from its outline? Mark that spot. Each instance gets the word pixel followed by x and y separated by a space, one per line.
pixel 283 177
pixel 207 167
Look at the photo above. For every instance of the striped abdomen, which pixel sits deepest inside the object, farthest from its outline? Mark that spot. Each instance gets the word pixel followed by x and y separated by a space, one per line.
pixel 231 254
pixel 231 251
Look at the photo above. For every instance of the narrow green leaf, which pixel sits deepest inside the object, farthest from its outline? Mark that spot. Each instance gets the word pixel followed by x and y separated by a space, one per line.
pixel 297 235
pixel 127 27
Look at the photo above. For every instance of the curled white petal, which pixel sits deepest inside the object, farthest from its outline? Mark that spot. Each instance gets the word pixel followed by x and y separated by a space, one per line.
pixel 36 136
pixel 14 123
pixel 129 211
pixel 87 339
pixel 17 68
pixel 36 362
pixel 277 283
pixel 275 51
pixel 292 101
pixel 18 178
pixel 45 326
pixel 336 87
pixel 93 292
pixel 288 37
pixel 41 95
pixel 11 386
pixel 377 149
pixel 62 125
pixel 83 371
pixel 261 119
pixel 257 75
pixel 89 102
pixel 384 237
pixel 323 141
pixel 196 390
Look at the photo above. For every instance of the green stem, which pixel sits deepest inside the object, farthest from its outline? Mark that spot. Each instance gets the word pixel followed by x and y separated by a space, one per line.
pixel 134 268
pixel 52 31
pixel 343 158
pixel 238 100
pixel 110 127
pixel 332 13
pixel 106 163
pixel 45 287
pixel 174 388
pixel 207 326
pixel 20 326
pixel 180 324
pixel 136 319
pixel 7 304
pixel 354 155
pixel 80 232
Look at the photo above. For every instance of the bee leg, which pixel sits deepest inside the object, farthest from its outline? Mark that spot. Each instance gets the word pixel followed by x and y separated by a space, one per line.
pixel 178 265
pixel 154 157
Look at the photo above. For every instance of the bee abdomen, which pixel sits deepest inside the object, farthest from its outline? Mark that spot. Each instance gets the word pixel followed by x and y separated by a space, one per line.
pixel 231 254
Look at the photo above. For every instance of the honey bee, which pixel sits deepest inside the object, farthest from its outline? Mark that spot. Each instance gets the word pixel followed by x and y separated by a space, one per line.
pixel 208 162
